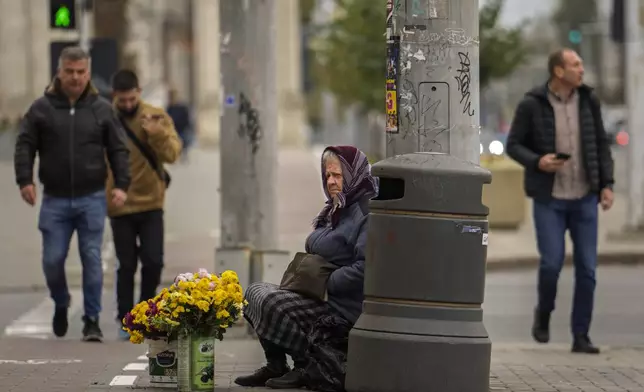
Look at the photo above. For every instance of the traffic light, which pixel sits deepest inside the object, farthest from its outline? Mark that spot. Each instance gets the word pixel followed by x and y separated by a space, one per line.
pixel 62 14
pixel 574 36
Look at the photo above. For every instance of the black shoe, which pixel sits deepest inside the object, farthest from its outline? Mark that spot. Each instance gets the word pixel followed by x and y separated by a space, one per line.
pixel 261 376
pixel 541 326
pixel 582 344
pixel 292 380
pixel 60 323
pixel 91 331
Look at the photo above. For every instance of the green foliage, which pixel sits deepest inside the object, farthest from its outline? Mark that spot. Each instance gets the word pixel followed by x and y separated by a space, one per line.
pixel 352 56
pixel 306 11
pixel 351 53
pixel 502 50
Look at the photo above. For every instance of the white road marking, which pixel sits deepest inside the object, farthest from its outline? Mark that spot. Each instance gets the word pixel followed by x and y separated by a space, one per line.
pixel 142 358
pixel 37 322
pixel 122 381
pixel 40 361
pixel 136 366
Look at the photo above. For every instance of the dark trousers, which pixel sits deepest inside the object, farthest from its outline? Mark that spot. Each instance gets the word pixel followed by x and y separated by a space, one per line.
pixel 137 236
pixel 552 219
pixel 276 356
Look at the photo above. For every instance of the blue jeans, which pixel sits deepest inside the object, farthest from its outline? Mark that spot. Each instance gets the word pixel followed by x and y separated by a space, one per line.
pixel 59 218
pixel 551 220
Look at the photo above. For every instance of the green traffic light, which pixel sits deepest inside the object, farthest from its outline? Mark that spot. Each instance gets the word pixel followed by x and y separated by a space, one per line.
pixel 574 36
pixel 63 17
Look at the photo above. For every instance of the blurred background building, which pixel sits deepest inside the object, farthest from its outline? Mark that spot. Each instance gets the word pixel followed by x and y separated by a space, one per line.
pixel 175 44
pixel 169 43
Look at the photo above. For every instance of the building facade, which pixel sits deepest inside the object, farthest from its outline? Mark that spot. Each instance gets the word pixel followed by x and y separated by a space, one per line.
pixel 170 43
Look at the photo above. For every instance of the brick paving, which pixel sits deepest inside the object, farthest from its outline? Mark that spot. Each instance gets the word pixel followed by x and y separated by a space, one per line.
pixel 33 365
pixel 515 368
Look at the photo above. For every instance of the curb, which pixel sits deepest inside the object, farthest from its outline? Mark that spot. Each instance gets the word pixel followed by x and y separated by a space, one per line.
pixel 631 259
pixel 532 262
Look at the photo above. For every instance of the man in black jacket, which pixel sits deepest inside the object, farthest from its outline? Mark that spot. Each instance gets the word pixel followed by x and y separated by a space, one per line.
pixel 558 136
pixel 72 129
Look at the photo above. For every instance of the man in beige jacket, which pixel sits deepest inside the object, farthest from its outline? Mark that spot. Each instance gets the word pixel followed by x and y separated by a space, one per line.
pixel 137 226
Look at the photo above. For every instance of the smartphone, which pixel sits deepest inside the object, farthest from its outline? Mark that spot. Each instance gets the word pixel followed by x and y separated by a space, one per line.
pixel 563 156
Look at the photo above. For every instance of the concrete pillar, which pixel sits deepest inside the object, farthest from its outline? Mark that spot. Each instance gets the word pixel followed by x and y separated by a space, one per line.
pixel 205 22
pixel 13 61
pixel 289 74
pixel 38 51
pixel 206 43
pixel 178 50
pixel 145 42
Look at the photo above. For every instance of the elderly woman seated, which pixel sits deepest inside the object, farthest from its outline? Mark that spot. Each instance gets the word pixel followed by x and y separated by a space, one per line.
pixel 283 319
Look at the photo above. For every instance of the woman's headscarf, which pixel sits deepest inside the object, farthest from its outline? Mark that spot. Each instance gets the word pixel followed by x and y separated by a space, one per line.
pixel 357 183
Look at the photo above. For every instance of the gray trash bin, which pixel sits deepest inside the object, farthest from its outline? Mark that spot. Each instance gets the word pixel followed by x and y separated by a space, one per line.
pixel 422 329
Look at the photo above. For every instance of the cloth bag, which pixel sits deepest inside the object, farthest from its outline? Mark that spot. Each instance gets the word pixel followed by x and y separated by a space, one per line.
pixel 307 274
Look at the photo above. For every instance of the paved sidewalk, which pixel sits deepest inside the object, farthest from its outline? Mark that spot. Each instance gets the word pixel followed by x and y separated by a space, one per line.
pixel 65 365
pixel 515 368
pixel 28 365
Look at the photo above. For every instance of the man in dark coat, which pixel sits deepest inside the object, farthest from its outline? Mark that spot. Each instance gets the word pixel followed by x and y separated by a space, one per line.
pixel 558 136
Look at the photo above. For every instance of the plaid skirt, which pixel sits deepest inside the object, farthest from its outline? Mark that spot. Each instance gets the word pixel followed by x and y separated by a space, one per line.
pixel 282 317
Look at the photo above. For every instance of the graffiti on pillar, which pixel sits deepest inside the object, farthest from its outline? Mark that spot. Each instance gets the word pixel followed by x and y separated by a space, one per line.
pixel 434 116
pixel 391 101
pixel 408 103
pixel 249 125
pixel 463 78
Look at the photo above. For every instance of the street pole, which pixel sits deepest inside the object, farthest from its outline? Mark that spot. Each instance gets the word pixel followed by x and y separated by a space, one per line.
pixel 236 169
pixel 248 137
pixel 85 40
pixel 433 74
pixel 266 160
pixel 635 101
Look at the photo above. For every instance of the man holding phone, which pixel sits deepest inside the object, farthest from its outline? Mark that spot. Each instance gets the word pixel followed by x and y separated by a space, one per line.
pixel 558 135
pixel 137 226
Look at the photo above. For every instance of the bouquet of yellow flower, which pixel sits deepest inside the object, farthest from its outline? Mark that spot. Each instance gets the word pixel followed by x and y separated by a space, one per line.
pixel 196 303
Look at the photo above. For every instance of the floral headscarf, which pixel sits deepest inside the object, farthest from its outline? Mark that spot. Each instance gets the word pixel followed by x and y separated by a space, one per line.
pixel 357 183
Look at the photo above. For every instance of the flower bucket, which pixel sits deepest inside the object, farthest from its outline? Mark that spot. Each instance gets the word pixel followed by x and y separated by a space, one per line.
pixel 196 365
pixel 162 361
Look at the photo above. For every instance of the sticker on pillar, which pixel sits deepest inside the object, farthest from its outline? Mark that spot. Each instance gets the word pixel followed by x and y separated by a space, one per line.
pixel 392 112
pixel 391 97
pixel 229 101
pixel 469 229
pixel 484 239
pixel 390 12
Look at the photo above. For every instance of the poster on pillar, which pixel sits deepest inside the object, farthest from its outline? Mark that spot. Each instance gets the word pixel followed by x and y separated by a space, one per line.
pixel 391 101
